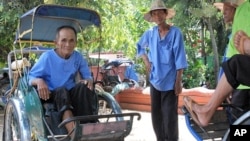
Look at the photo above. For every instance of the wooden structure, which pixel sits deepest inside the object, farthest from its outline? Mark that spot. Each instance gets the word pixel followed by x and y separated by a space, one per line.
pixel 139 99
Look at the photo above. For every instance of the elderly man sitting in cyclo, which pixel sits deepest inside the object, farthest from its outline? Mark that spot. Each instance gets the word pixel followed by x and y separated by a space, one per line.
pixel 54 77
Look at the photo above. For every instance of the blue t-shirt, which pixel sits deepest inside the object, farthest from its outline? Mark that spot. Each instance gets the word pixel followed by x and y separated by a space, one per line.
pixel 166 55
pixel 59 72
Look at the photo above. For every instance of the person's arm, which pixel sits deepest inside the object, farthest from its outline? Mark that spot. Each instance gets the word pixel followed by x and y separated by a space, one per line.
pixel 178 82
pixel 42 88
pixel 142 46
pixel 35 77
pixel 86 77
pixel 180 60
pixel 146 62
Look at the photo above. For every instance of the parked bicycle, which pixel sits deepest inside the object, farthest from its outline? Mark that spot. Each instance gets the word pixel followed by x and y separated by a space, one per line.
pixel 110 76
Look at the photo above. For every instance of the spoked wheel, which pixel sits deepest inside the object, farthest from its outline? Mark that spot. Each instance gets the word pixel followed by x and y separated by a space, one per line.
pixel 104 107
pixel 107 103
pixel 16 125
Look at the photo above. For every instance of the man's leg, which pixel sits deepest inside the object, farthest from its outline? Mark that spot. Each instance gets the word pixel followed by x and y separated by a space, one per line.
pixel 169 109
pixel 205 112
pixel 69 126
pixel 83 100
pixel 63 105
pixel 236 72
pixel 156 114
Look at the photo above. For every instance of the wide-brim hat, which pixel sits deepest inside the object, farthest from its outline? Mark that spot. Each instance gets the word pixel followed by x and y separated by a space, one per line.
pixel 234 3
pixel 157 5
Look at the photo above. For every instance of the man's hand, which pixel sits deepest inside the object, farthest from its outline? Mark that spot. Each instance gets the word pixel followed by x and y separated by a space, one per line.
pixel 88 82
pixel 147 63
pixel 42 88
pixel 178 88
pixel 178 82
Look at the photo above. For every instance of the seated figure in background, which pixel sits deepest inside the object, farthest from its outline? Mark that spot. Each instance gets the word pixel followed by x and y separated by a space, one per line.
pixel 130 72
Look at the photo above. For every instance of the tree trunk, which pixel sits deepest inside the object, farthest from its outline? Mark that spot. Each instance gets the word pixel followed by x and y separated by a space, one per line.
pixel 215 50
pixel 203 52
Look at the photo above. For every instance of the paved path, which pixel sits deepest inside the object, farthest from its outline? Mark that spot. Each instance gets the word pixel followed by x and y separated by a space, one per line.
pixel 141 130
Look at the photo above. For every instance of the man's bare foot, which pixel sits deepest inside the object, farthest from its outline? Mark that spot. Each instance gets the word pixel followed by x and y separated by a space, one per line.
pixel 199 113
pixel 247 46
pixel 242 42
pixel 71 125
pixel 203 114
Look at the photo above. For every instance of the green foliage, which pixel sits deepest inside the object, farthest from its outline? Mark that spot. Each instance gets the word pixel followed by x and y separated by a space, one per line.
pixel 191 79
pixel 206 10
pixel 8 23
pixel 123 24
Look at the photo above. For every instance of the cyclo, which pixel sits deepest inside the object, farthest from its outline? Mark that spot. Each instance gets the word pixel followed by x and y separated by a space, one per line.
pixel 25 117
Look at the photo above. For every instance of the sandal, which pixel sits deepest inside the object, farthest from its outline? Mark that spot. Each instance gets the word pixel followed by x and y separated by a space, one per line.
pixel 239 43
pixel 188 102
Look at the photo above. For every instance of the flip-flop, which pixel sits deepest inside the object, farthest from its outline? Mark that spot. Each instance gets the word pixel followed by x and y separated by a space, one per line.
pixel 188 104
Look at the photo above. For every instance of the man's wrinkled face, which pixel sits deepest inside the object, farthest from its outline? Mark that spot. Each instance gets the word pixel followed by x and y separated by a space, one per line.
pixel 66 42
pixel 228 13
pixel 159 16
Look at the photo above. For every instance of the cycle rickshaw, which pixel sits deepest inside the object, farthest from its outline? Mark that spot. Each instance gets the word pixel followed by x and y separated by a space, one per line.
pixel 25 117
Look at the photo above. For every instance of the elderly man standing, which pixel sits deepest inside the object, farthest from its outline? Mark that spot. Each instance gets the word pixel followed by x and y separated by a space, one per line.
pixel 162 50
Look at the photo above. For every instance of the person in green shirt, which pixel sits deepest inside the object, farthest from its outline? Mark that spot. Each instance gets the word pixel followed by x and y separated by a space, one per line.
pixel 236 69
pixel 240 97
pixel 228 8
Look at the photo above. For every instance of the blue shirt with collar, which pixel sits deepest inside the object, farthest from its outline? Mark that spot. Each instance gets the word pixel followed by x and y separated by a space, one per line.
pixel 166 55
pixel 59 72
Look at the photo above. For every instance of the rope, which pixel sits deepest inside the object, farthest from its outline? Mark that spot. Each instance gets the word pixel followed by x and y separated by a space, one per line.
pixel 13 88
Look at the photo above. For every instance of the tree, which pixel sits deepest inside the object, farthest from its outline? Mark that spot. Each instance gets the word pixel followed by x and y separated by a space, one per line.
pixel 9 14
pixel 123 24
pixel 201 17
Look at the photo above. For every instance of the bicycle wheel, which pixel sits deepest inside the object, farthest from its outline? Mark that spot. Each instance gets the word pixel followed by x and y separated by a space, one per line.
pixel 16 124
pixel 107 103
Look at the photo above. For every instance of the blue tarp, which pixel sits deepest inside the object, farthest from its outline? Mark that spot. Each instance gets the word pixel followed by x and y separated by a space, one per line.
pixel 41 22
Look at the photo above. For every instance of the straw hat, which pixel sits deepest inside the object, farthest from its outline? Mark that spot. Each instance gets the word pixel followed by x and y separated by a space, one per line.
pixel 158 4
pixel 233 3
